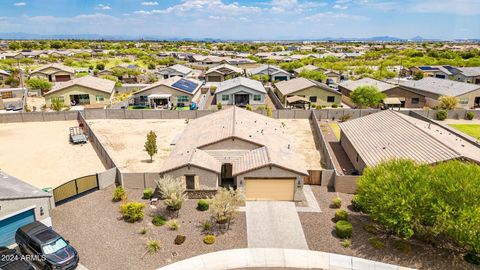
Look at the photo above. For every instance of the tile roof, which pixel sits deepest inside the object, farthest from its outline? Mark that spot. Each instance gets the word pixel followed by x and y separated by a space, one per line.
pixel 297 84
pixel 441 86
pixel 55 66
pixel 470 71
pixel 265 68
pixel 171 82
pixel 179 68
pixel 386 135
pixel 352 85
pixel 225 66
pixel 99 84
pixel 241 81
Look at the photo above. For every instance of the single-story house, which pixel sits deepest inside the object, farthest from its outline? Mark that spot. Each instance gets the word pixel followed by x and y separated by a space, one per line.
pixel 175 70
pixel 313 91
pixel 240 91
pixel 274 73
pixel 397 96
pixel 174 91
pixel 3 76
pixel 385 135
pixel 440 72
pixel 222 72
pixel 468 94
pixel 239 148
pixel 21 204
pixel 468 75
pixel 54 73
pixel 87 90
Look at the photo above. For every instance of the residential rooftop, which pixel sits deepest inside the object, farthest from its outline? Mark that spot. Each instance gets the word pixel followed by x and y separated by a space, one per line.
pixel 441 86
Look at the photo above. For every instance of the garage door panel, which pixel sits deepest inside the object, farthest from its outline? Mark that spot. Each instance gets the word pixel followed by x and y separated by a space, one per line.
pixel 62 78
pixel 9 226
pixel 270 189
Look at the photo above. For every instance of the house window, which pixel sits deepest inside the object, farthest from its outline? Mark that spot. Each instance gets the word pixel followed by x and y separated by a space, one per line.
pixel 330 99
pixel 225 97
pixel 190 181
pixel 415 100
pixel 463 101
pixel 313 98
pixel 182 98
pixel 257 97
pixel 100 98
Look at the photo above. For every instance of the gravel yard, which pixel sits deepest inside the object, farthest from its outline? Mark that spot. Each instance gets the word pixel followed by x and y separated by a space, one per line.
pixel 303 141
pixel 92 225
pixel 319 231
pixel 125 139
pixel 40 153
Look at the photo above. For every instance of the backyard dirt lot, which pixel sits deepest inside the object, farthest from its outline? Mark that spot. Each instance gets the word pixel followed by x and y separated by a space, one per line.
pixel 40 153
pixel 319 229
pixel 92 225
pixel 124 140
pixel 303 141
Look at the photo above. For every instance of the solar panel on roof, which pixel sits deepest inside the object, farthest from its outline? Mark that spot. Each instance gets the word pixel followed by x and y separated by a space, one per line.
pixel 427 68
pixel 185 85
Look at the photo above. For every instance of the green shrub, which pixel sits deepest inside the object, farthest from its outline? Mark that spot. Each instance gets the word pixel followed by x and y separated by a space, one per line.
pixel 173 224
pixel 356 204
pixel 371 228
pixel 336 202
pixel 209 239
pixel 143 230
pixel 248 107
pixel 202 205
pixel 219 106
pixel 147 193
pixel 402 246
pixel 207 225
pixel 376 242
pixel 119 194
pixel 343 229
pixel 441 115
pixel 341 214
pixel 132 211
pixel 152 246
pixel 346 243
pixel 159 220
pixel 334 105
pixel 180 239
pixel 472 258
pixel 470 115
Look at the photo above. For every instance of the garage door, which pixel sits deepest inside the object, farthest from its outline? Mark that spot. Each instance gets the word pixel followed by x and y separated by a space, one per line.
pixel 214 78
pixel 9 226
pixel 62 78
pixel 270 189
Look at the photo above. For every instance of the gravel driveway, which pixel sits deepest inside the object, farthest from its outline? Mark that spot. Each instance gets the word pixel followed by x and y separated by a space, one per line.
pixel 272 224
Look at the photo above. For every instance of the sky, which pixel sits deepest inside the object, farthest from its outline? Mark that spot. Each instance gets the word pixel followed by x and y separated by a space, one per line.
pixel 245 19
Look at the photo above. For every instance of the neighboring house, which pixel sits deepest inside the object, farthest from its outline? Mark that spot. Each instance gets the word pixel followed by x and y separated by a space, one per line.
pixel 222 72
pixel 333 77
pixel 299 70
pixel 239 148
pixel 397 96
pixel 468 94
pixel 54 73
pixel 274 73
pixel 165 93
pixel 468 75
pixel 240 91
pixel 3 76
pixel 87 90
pixel 175 70
pixel 310 90
pixel 440 72
pixel 385 135
pixel 21 204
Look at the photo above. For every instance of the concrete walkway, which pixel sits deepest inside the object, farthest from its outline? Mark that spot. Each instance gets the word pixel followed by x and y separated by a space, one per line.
pixel 274 224
pixel 278 258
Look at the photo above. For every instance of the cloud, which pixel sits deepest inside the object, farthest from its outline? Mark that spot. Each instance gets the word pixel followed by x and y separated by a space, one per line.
pixel 103 7
pixel 20 4
pixel 337 6
pixel 204 6
pixel 150 3
pixel 335 16
pixel 280 6
pixel 458 7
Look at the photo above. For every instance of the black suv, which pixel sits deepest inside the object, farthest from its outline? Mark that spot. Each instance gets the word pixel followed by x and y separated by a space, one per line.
pixel 10 259
pixel 52 250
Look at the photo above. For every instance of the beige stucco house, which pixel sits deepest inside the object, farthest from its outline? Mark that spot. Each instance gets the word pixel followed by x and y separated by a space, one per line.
pixel 312 91
pixel 87 90
pixel 222 72
pixel 239 148
pixel 54 73
pixel 240 91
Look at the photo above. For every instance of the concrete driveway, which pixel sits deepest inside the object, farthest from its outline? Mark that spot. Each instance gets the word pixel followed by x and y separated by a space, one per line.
pixel 274 224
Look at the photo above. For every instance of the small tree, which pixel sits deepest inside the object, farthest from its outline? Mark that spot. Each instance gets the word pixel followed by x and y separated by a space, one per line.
pixel 41 84
pixel 448 102
pixel 418 76
pixel 367 95
pixel 224 205
pixel 173 191
pixel 151 144
pixel 100 66
pixel 219 106
pixel 57 104
pixel 315 75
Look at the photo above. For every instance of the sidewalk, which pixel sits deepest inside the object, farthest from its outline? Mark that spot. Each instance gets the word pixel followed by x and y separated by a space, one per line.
pixel 280 258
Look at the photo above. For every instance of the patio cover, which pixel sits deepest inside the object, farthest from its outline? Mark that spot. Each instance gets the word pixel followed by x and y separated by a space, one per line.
pixel 159 96
pixel 297 99
pixel 392 101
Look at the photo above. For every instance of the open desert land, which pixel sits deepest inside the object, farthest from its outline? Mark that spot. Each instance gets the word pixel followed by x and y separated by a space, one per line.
pixel 40 153
pixel 303 141
pixel 124 141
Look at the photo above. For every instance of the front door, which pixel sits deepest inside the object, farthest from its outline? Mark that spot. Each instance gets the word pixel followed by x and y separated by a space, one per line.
pixel 227 178
pixel 477 102
pixel 241 99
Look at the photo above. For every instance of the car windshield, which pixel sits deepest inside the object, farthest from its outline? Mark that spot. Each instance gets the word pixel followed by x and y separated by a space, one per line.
pixel 54 246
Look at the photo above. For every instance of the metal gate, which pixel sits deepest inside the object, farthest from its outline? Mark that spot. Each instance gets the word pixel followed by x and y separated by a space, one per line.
pixel 75 188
